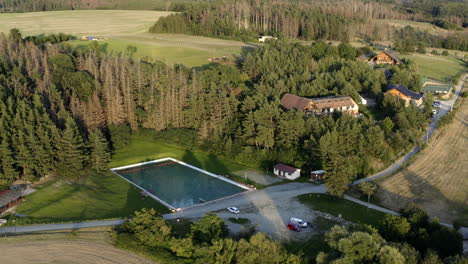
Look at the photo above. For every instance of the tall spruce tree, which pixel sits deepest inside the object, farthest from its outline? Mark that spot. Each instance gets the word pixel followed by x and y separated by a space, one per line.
pixel 71 151
pixel 100 154
pixel 8 172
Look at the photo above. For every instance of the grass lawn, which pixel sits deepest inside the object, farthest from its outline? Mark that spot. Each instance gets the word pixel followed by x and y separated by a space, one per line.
pixel 98 196
pixel 350 211
pixel 438 67
pixel 145 148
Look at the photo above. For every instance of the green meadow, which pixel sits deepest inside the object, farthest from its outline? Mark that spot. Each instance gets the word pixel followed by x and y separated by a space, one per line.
pixel 441 68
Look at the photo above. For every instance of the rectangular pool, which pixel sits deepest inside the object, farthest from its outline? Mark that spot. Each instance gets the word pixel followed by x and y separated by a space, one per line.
pixel 177 184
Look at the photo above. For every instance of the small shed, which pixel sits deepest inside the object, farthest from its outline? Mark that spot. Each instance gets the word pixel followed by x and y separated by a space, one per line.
pixel 285 171
pixel 9 198
pixel 363 100
pixel 317 175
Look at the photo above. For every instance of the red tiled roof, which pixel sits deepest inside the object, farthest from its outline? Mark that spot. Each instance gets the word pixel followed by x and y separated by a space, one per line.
pixel 285 168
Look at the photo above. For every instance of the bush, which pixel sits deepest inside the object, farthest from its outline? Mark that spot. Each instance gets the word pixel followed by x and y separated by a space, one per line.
pixel 445 53
pixel 434 52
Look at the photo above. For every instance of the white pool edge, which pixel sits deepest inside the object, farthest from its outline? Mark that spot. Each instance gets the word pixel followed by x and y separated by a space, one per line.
pixel 181 163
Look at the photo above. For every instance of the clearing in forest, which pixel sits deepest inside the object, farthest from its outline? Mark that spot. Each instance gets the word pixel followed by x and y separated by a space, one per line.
pixel 437 180
pixel 440 68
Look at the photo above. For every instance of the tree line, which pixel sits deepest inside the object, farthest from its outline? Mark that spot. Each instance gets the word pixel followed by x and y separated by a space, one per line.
pixel 408 239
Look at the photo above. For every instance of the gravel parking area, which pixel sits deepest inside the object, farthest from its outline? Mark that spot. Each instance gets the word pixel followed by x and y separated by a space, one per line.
pixel 272 217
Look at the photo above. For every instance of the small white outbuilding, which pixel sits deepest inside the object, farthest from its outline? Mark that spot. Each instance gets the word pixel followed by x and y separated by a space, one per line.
pixel 286 171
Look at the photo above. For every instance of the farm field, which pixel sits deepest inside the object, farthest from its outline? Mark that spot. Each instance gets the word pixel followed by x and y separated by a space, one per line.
pixel 172 48
pixel 99 23
pixel 93 245
pixel 438 178
pixel 424 26
pixel 438 67
pixel 118 29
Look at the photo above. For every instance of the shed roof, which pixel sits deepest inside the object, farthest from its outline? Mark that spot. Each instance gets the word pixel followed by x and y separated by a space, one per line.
pixel 333 102
pixel 392 54
pixel 291 101
pixel 285 168
pixel 402 89
pixel 318 172
pixel 6 196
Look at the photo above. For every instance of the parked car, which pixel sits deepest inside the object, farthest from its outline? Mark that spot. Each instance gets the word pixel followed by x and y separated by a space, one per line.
pixel 434 112
pixel 3 221
pixel 294 228
pixel 436 104
pixel 234 210
pixel 298 222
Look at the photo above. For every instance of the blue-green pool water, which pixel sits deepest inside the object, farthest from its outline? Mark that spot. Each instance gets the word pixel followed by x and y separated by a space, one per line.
pixel 178 185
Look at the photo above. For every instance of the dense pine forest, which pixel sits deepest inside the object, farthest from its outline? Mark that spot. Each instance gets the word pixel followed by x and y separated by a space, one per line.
pixel 61 110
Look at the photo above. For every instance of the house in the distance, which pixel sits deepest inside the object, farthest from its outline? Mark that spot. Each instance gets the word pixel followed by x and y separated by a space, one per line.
pixel 286 171
pixel 266 38
pixel 323 105
pixel 403 93
pixel 386 57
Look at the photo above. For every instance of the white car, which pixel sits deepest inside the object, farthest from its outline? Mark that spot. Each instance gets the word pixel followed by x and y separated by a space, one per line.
pixel 3 221
pixel 434 112
pixel 233 210
pixel 436 104
pixel 298 222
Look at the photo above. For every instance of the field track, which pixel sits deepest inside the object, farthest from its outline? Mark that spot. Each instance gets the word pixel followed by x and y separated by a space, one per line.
pixel 438 178
pixel 66 251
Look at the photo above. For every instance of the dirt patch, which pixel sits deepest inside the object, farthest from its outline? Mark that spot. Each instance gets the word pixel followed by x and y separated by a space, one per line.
pixel 65 251
pixel 438 178
pixel 258 177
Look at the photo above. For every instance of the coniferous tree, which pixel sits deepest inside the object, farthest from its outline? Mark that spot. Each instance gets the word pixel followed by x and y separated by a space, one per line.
pixel 100 154
pixel 71 151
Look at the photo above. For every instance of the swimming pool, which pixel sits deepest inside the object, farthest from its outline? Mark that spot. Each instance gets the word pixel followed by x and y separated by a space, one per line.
pixel 177 184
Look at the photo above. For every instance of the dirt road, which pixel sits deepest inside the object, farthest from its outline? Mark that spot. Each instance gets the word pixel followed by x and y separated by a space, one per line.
pixel 66 252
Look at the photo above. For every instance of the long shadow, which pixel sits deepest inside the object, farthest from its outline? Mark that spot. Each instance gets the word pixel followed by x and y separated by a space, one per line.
pixel 215 165
pixel 190 158
pixel 421 189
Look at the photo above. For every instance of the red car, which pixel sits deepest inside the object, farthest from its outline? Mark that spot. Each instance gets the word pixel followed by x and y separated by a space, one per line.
pixel 294 228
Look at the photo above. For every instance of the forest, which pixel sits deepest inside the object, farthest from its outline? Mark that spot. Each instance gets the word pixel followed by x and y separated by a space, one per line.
pixel 63 110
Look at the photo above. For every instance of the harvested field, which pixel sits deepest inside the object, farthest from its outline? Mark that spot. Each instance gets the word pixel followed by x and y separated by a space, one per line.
pixel 70 252
pixel 86 246
pixel 98 23
pixel 437 180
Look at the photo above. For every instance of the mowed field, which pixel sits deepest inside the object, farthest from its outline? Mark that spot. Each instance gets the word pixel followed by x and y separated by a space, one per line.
pixel 438 67
pixel 85 246
pixel 99 23
pixel 117 29
pixel 438 178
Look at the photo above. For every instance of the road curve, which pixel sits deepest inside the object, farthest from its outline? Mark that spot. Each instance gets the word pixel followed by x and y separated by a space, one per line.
pixel 446 106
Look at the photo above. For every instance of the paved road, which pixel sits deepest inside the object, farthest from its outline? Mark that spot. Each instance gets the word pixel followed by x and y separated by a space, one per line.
pixel 446 106
pixel 52 227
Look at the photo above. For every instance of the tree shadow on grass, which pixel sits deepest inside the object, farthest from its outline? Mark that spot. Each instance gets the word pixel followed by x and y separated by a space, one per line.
pixel 426 196
pixel 190 158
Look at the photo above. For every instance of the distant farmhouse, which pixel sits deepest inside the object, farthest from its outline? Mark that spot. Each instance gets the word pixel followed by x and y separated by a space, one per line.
pixel 318 106
pixel 386 57
pixel 286 171
pixel 266 38
pixel 436 87
pixel 403 93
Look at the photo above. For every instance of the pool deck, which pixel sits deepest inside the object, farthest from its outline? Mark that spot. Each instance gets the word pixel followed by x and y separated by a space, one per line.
pixel 114 170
